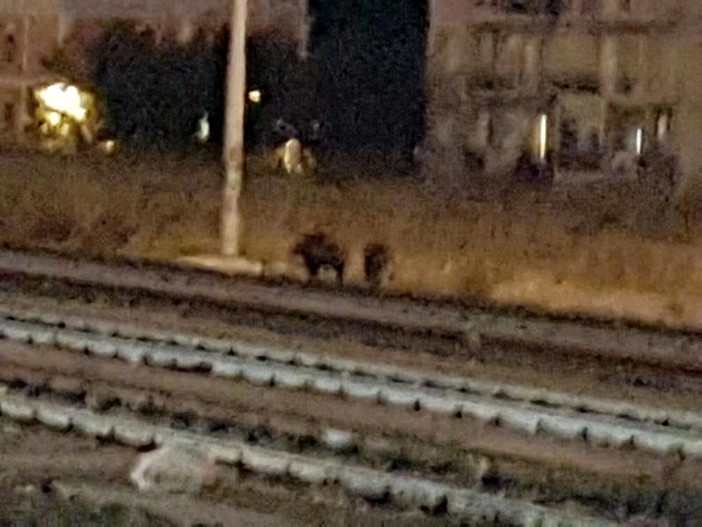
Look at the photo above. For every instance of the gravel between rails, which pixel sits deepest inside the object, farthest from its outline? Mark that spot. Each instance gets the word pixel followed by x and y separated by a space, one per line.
pixel 518 408
pixel 364 482
pixel 673 349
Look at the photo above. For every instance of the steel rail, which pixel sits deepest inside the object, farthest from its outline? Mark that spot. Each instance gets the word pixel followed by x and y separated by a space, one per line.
pixel 674 349
pixel 518 408
pixel 361 481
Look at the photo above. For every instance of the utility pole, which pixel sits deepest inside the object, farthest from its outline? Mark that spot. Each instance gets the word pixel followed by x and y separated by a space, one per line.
pixel 234 130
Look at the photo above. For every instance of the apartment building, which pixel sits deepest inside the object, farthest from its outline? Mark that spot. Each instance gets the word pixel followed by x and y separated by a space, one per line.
pixel 32 30
pixel 581 88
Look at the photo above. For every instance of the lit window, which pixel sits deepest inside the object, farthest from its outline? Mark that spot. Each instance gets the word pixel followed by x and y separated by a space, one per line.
pixel 9 49
pixel 543 137
pixel 663 125
pixel 638 141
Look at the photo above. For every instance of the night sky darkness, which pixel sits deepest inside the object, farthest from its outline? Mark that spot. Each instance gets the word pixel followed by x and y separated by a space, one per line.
pixel 363 81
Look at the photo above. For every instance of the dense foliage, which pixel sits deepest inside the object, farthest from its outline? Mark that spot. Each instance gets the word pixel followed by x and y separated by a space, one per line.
pixel 362 82
pixel 370 57
pixel 155 94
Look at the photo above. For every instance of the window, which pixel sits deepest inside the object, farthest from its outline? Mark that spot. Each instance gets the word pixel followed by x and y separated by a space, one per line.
pixel 509 61
pixel 7 117
pixel 532 7
pixel 580 130
pixel 506 60
pixel 663 119
pixel 638 140
pixel 632 64
pixel 569 135
pixel 9 49
pixel 542 142
pixel 485 50
pixel 627 128
pixel 516 6
pixel 589 7
pixel 509 6
pixel 553 7
pixel 481 133
pixel 594 140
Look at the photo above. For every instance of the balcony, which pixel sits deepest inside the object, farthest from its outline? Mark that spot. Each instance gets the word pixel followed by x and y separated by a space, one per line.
pixel 518 14
pixel 30 7
pixel 623 15
pixel 549 8
pixel 588 15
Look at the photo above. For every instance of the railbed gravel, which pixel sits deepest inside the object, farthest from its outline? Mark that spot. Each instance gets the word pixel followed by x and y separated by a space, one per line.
pixel 20 327
pixel 368 483
pixel 564 417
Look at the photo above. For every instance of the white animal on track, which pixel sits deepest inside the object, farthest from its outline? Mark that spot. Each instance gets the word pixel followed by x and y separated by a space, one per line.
pixel 291 155
pixel 175 468
pixel 294 159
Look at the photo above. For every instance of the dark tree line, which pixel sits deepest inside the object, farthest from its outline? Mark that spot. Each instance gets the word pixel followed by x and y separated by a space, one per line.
pixel 363 81
pixel 370 57
pixel 155 95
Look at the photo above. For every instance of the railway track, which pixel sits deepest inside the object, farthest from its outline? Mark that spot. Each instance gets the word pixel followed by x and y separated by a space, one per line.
pixel 476 327
pixel 520 408
pixel 37 347
pixel 366 483
pixel 609 358
pixel 470 448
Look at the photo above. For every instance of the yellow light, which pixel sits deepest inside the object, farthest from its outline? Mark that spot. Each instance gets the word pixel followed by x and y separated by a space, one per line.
pixel 63 99
pixel 543 136
pixel 108 147
pixel 53 118
pixel 65 130
pixel 255 96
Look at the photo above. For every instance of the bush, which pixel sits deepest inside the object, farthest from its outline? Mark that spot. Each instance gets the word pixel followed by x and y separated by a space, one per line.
pixel 155 95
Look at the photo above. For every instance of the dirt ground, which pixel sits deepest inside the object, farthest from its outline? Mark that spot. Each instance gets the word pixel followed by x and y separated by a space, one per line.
pixel 584 253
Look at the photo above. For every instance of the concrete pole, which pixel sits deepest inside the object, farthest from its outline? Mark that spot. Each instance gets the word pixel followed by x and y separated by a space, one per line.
pixel 234 130
pixel 305 26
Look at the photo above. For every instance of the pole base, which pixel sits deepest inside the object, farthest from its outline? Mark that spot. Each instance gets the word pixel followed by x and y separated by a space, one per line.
pixel 232 265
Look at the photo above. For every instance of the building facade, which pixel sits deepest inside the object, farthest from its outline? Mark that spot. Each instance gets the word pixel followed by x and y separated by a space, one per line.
pixel 582 87
pixel 32 30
